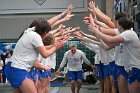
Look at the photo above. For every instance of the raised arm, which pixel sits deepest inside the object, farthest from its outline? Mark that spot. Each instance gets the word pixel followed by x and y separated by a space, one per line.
pixel 56 18
pixel 67 17
pixel 113 40
pixel 107 20
pixel 45 53
pixel 88 40
pixel 90 36
pixel 91 46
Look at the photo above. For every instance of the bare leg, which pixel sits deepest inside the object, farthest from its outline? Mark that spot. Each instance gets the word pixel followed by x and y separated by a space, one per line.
pixel 79 85
pixel 43 84
pixel 134 87
pixel 39 88
pixel 28 86
pixel 47 84
pixel 107 86
pixel 1 78
pixel 113 88
pixel 73 86
pixel 17 90
pixel 37 83
pixel 122 84
pixel 101 86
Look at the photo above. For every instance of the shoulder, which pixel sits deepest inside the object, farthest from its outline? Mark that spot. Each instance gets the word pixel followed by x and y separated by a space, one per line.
pixel 31 36
pixel 67 52
pixel 35 39
pixel 128 33
pixel 35 35
pixel 80 52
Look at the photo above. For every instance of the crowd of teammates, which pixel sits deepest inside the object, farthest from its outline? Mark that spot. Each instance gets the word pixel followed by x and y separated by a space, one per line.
pixel 117 49
pixel 32 47
pixel 116 45
pixel 5 57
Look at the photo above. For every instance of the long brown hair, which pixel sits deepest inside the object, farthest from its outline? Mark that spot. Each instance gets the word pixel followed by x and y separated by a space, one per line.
pixel 41 26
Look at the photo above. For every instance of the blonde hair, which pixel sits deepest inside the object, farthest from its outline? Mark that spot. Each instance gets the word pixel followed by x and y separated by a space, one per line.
pixel 49 40
pixel 72 45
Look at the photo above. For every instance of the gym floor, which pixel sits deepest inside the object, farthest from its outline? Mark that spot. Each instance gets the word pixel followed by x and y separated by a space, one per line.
pixel 86 88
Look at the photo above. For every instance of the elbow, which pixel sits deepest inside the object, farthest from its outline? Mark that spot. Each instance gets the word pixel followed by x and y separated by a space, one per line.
pixel 44 55
pixel 43 52
pixel 108 40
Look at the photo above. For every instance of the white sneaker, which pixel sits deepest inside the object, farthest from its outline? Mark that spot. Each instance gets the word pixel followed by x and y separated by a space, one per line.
pixel 97 82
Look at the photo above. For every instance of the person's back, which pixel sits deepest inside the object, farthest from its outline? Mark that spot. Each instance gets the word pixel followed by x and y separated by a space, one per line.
pixel 28 54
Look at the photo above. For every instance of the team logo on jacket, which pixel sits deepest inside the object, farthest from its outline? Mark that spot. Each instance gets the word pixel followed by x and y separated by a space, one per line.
pixel 40 2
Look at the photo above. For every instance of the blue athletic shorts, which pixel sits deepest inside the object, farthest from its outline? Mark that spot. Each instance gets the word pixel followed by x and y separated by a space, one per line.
pixel 46 74
pixel 75 75
pixel 112 67
pixel 134 74
pixel 34 73
pixel 106 70
pixel 113 71
pixel 121 71
pixel 101 71
pixel 15 75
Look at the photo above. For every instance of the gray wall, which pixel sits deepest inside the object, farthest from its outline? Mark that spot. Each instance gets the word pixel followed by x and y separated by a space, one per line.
pixel 11 26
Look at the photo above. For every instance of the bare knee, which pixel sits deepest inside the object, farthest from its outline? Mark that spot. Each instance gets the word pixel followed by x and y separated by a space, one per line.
pixel 73 82
pixel 79 82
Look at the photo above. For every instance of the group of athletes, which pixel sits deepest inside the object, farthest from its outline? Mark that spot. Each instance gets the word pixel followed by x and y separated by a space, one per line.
pixel 117 49
pixel 116 45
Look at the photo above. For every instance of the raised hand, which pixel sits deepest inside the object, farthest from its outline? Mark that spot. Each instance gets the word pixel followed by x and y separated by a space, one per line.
pixel 91 19
pixel 70 9
pixel 71 30
pixel 92 9
pixel 91 6
pixel 93 28
pixel 86 20
pixel 58 44
pixel 68 17
pixel 78 34
pixel 71 37
pixel 75 29
pixel 61 28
